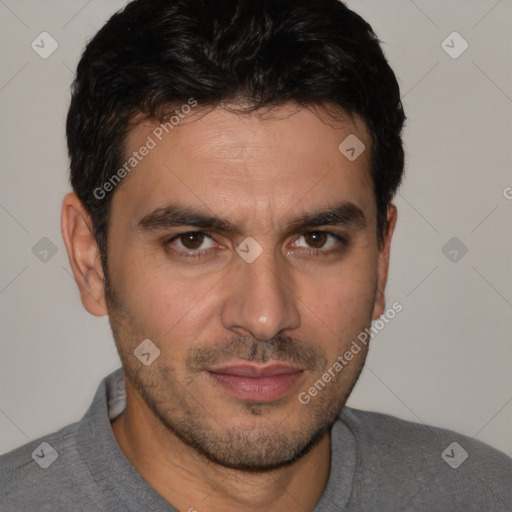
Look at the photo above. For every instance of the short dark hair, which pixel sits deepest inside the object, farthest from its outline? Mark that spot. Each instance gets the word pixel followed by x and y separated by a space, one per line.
pixel 160 53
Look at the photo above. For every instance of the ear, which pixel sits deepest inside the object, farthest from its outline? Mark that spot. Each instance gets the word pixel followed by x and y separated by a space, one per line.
pixel 383 263
pixel 83 254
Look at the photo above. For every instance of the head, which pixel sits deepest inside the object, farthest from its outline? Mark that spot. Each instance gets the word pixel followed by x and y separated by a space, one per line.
pixel 215 214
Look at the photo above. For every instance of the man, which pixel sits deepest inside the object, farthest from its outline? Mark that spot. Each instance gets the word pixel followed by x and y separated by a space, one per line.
pixel 233 166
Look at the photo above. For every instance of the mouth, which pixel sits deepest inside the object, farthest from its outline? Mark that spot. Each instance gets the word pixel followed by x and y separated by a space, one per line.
pixel 257 383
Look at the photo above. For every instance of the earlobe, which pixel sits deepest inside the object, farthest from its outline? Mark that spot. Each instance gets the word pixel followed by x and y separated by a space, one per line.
pixel 383 263
pixel 83 253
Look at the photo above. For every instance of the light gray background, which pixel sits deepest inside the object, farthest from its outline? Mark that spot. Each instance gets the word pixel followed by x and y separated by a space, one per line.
pixel 444 360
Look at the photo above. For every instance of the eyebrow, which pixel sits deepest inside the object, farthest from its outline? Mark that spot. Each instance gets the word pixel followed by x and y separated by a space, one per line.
pixel 342 214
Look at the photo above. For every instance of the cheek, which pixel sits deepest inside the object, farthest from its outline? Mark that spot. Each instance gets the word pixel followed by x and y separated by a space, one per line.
pixel 338 306
pixel 346 291
pixel 167 305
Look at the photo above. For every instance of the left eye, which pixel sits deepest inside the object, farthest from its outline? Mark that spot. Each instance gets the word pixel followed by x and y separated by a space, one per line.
pixel 193 240
pixel 317 240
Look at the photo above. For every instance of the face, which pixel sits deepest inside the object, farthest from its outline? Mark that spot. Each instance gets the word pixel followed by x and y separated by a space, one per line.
pixel 244 247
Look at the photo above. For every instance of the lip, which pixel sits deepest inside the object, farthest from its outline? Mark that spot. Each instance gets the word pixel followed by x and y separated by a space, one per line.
pixel 257 383
pixel 252 370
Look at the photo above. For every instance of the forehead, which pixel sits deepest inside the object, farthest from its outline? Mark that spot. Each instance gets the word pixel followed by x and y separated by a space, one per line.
pixel 241 164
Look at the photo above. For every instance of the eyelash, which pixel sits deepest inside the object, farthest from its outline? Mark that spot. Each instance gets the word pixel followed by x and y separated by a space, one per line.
pixel 192 254
pixel 320 253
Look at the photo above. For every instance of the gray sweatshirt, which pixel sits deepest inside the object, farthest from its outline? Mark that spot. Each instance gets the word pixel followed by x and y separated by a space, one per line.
pixel 378 463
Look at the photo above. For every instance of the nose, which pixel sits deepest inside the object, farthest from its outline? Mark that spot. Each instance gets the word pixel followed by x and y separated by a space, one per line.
pixel 260 300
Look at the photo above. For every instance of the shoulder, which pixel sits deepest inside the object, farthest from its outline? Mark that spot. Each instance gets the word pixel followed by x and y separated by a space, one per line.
pixel 30 480
pixel 431 464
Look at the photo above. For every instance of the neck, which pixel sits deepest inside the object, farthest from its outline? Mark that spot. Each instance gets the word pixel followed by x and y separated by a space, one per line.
pixel 191 482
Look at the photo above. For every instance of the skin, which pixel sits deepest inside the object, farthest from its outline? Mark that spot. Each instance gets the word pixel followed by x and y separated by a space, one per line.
pixel 302 301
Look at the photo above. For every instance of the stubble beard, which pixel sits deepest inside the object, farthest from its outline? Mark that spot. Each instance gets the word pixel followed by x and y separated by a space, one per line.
pixel 255 444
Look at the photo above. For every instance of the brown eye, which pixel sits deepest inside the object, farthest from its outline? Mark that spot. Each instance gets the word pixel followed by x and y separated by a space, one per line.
pixel 192 240
pixel 192 244
pixel 318 243
pixel 316 239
